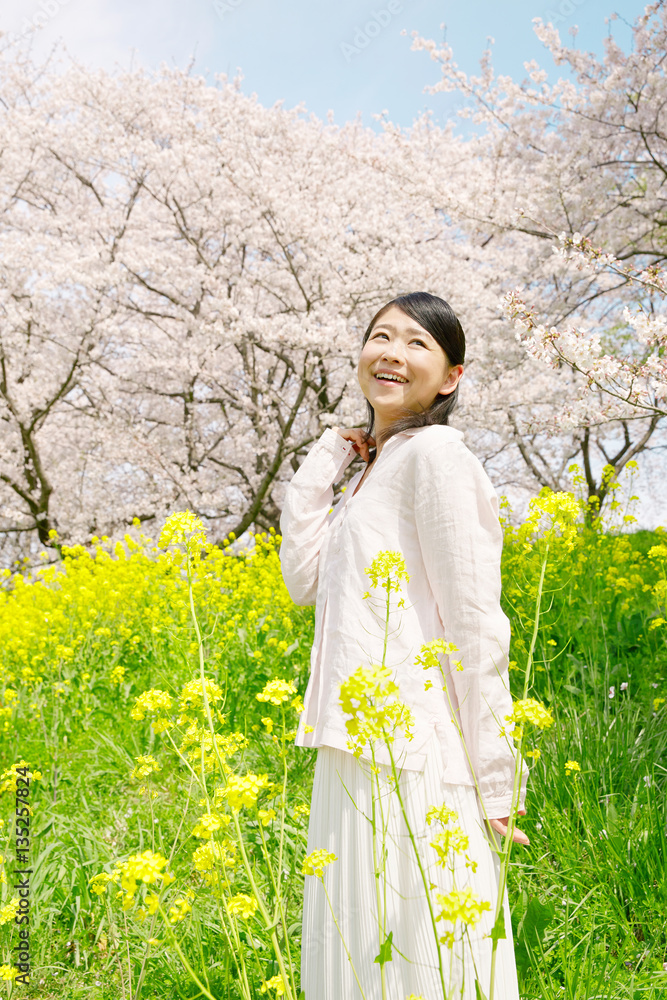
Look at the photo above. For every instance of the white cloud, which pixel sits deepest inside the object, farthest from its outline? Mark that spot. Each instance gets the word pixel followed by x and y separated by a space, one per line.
pixel 99 33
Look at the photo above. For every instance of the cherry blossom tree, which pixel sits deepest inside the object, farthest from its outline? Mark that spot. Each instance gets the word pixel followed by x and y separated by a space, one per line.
pixel 56 313
pixel 192 277
pixel 583 159
pixel 188 275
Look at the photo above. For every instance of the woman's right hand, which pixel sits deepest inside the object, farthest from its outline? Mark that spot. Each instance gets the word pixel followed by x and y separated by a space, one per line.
pixel 357 436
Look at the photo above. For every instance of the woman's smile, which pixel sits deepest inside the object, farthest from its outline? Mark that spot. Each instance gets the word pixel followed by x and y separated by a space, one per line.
pixel 389 381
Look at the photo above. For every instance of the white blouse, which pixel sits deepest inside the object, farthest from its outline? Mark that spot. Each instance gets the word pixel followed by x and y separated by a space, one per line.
pixel 428 497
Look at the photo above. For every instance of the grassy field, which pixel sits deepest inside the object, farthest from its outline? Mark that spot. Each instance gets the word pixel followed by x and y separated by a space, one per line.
pixel 102 702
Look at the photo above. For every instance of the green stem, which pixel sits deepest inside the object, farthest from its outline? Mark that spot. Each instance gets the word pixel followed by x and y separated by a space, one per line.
pixel 280 909
pixel 536 624
pixel 207 707
pixel 347 952
pixel 270 924
pixel 142 971
pixel 511 823
pixel 422 873
pixel 281 848
pixel 245 986
pixel 191 971
pixel 376 875
pixel 504 855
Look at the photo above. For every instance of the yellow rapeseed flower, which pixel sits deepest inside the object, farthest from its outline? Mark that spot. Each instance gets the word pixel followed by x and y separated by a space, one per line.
pixel 152 902
pixel 146 765
pixel 276 983
pixel 440 813
pixel 150 702
pixel 370 697
pixel 98 883
pixel 242 906
pixel 160 725
pixel 9 910
pixel 571 767
pixel 212 854
pixel 277 691
pixel 183 528
pixel 9 778
pixel 530 710
pixel 192 694
pixel 385 565
pixel 243 790
pixel 117 675
pixel 146 867
pixel 315 862
pixel 455 841
pixel 460 905
pixel 431 652
pixel 208 824
pixel 551 513
pixel 181 908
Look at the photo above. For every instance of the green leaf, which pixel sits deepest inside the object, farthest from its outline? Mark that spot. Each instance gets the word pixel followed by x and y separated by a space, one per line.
pixel 479 992
pixel 498 929
pixel 385 950
pixel 530 931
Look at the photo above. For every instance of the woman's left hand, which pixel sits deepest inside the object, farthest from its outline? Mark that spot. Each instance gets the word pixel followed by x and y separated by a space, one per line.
pixel 501 826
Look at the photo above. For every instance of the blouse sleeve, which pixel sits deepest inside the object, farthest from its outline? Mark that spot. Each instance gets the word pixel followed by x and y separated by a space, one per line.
pixel 461 541
pixel 304 517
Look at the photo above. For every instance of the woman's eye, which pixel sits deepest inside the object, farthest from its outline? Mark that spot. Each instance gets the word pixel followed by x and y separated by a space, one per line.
pixel 414 339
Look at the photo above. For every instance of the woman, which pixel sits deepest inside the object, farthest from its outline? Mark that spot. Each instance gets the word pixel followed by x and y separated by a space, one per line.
pixel 423 494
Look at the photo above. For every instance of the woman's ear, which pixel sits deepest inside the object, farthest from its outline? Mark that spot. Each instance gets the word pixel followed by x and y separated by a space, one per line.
pixel 453 378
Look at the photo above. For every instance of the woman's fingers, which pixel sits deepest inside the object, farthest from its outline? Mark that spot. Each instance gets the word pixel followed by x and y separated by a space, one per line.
pixel 357 436
pixel 500 825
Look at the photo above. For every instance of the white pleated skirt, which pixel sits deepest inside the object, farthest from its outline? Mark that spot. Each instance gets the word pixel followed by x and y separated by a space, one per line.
pixel 339 822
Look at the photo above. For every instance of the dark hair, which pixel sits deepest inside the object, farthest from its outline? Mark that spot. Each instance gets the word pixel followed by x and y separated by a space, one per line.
pixel 438 317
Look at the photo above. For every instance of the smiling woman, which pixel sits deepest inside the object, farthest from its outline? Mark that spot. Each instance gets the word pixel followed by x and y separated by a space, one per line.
pixel 410 365
pixel 431 505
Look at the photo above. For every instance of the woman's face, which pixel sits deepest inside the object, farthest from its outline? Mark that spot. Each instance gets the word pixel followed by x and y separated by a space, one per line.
pixel 399 344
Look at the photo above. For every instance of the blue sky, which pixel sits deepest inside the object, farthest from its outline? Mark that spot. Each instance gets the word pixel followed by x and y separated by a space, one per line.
pixel 324 54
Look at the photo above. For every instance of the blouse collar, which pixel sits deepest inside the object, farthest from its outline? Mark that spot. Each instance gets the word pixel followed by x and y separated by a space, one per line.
pixel 453 432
